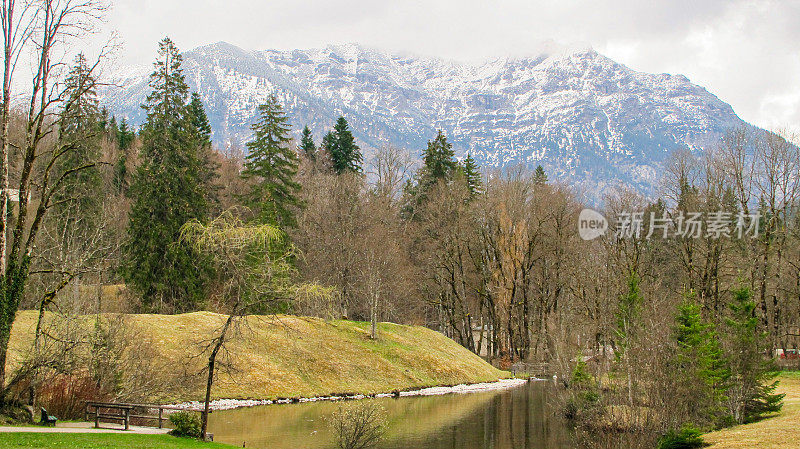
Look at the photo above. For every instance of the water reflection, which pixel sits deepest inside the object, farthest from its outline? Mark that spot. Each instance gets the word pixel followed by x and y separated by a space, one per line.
pixel 516 418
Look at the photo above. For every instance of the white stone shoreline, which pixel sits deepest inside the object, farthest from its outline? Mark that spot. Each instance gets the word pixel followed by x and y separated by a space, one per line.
pixel 227 404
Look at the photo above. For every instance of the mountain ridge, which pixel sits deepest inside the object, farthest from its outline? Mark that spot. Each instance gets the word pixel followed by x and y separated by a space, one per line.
pixel 585 117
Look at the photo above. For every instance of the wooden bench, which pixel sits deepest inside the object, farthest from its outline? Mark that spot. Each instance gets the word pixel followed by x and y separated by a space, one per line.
pixel 47 419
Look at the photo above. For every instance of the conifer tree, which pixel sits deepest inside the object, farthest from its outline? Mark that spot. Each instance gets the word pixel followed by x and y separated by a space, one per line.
pixel 628 314
pixel 273 165
pixel 472 175
pixel 111 127
pixel 439 164
pixel 752 393
pixel 307 145
pixel 167 191
pixel 539 176
pixel 439 160
pixel 125 135
pixel 199 120
pixel 125 138
pixel 700 366
pixel 341 147
pixel 79 198
pixel 629 328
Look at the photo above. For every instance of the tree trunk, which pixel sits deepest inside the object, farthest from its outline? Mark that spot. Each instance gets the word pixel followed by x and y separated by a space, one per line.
pixel 373 315
pixel 212 360
pixel 11 288
pixel 8 37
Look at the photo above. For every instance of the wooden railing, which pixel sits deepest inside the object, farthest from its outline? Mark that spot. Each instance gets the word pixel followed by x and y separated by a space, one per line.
pixel 530 369
pixel 124 412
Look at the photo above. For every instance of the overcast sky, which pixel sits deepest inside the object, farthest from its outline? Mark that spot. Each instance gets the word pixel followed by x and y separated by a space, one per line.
pixel 746 52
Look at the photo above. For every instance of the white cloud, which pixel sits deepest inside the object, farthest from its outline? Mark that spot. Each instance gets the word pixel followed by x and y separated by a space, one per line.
pixel 744 51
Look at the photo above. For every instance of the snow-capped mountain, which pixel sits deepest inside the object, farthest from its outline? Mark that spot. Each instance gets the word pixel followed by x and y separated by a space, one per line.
pixel 584 117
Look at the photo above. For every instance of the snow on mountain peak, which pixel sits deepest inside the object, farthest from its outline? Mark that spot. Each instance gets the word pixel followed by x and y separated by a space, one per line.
pixel 583 116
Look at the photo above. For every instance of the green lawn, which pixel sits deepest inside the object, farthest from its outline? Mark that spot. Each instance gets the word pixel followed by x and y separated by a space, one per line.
pixel 778 432
pixel 100 441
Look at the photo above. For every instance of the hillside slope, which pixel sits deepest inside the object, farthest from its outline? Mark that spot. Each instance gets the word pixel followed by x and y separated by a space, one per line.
pixel 287 356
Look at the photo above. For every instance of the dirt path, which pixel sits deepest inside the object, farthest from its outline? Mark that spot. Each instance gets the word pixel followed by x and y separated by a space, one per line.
pixel 85 427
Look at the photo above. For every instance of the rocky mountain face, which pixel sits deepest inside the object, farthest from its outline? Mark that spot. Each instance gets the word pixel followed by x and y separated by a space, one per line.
pixel 585 118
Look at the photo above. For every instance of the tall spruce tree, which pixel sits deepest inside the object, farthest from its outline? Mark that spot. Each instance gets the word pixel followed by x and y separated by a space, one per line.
pixel 439 160
pixel 472 175
pixel 439 164
pixel 629 329
pixel 125 135
pixel 77 203
pixel 273 165
pixel 345 155
pixel 79 198
pixel 199 120
pixel 125 138
pixel 539 176
pixel 700 367
pixel 752 393
pixel 307 145
pixel 168 190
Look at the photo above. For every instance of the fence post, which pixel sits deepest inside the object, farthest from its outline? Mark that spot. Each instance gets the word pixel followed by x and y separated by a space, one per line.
pixel 160 417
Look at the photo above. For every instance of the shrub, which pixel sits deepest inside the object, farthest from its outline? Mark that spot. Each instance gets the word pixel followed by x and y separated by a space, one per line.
pixel 185 424
pixel 688 437
pixel 584 395
pixel 358 426
pixel 65 395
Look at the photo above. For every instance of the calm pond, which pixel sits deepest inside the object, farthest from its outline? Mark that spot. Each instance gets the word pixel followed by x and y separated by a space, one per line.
pixel 514 418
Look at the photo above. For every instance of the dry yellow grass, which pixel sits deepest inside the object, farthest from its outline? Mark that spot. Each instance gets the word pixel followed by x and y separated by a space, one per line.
pixel 781 431
pixel 289 356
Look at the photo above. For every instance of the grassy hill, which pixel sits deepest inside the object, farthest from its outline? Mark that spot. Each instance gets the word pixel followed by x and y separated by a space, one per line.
pixel 284 356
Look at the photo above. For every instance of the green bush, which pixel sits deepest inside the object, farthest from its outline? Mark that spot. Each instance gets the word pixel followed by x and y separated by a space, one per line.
pixel 688 437
pixel 185 424
pixel 584 396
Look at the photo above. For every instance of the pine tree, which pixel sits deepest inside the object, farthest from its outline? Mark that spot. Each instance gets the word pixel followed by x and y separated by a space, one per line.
pixel 111 128
pixel 439 164
pixel 628 314
pixel 752 393
pixel 125 138
pixel 700 367
pixel 472 176
pixel 341 147
pixel 105 119
pixel 629 328
pixel 307 145
pixel 168 190
pixel 125 135
pixel 199 120
pixel 439 160
pixel 79 198
pixel 539 176
pixel 273 164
